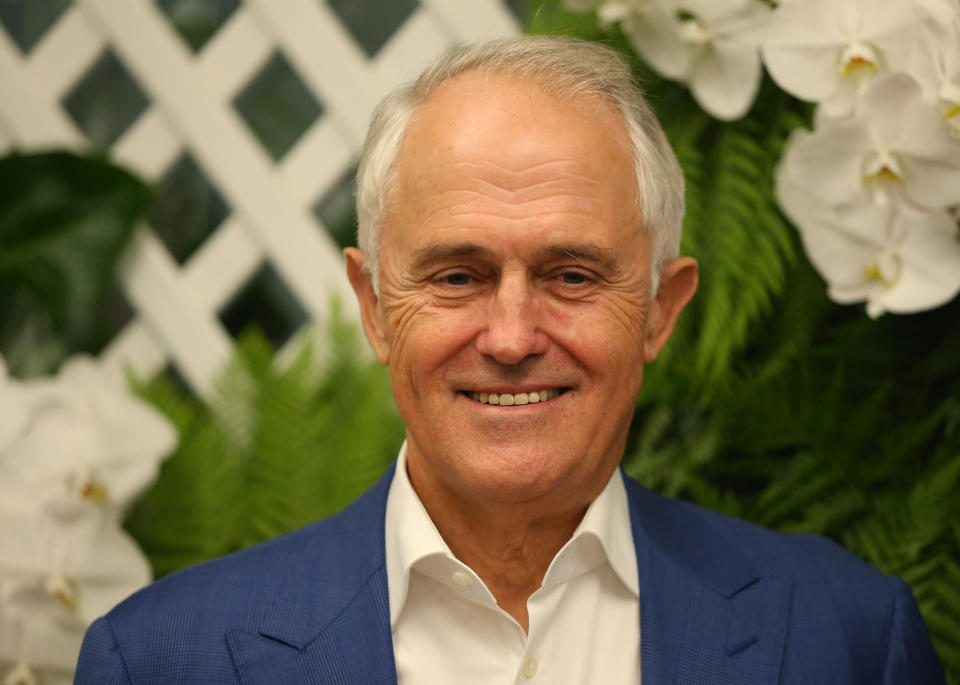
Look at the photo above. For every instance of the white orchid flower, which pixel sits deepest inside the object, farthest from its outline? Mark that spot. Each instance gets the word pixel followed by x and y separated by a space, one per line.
pixel 829 51
pixel 68 573
pixel 896 148
pixel 893 257
pixel 13 407
pixel 46 655
pixel 37 652
pixel 711 45
pixel 84 444
pixel 613 11
pixel 608 11
pixel 936 63
pixel 55 579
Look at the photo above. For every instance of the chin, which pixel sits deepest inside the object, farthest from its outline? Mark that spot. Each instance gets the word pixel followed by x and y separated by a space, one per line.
pixel 512 476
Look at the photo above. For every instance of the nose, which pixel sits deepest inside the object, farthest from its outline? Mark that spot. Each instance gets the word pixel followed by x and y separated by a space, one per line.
pixel 512 334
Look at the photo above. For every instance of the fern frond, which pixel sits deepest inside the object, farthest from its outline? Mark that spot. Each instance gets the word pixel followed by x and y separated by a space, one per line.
pixel 669 451
pixel 902 528
pixel 274 448
pixel 803 480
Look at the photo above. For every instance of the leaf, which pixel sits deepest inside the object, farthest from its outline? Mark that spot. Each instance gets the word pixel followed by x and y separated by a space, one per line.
pixel 551 18
pixel 771 402
pixel 275 447
pixel 64 223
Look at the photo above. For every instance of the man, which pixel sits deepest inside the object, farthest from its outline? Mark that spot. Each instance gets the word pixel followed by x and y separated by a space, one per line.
pixel 520 215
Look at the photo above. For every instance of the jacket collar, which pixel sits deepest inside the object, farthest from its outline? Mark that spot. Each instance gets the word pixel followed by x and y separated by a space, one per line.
pixel 707 614
pixel 329 621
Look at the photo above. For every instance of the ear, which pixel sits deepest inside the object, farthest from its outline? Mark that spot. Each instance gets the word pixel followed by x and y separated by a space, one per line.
pixel 370 312
pixel 678 283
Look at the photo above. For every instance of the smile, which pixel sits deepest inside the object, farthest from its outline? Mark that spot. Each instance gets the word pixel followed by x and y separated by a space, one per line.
pixel 507 399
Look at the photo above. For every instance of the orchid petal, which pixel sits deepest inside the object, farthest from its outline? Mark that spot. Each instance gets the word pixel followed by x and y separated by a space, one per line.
pixel 14 407
pixel 900 121
pixel 897 260
pixel 85 442
pixel 655 36
pixel 726 80
pixel 47 650
pixel 828 162
pixel 801 47
pixel 805 43
pixel 931 258
pixel 712 11
pixel 97 561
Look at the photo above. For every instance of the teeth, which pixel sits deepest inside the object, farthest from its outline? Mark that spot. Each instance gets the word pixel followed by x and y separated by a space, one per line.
pixel 506 399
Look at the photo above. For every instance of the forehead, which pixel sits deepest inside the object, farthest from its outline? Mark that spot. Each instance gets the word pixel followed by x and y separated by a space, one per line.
pixel 491 146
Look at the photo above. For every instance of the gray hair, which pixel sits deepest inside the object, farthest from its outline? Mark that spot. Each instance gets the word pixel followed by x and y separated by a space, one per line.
pixel 562 65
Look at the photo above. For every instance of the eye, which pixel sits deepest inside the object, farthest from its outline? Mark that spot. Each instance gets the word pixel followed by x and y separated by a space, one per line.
pixel 458 283
pixel 457 278
pixel 573 278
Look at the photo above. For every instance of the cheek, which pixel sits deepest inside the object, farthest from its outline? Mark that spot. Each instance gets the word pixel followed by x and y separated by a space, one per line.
pixel 424 338
pixel 604 333
pixel 627 319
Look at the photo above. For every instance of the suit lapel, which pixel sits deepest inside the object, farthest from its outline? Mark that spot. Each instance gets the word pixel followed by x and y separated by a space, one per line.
pixel 707 616
pixel 353 648
pixel 329 622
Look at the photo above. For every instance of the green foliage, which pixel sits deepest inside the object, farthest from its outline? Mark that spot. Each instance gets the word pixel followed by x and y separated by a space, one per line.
pixel 274 447
pixel 773 404
pixel 64 222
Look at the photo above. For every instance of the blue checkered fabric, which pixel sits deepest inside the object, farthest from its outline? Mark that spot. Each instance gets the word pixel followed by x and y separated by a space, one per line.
pixel 722 601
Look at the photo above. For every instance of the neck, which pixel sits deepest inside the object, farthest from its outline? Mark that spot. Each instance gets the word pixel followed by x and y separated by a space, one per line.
pixel 510 546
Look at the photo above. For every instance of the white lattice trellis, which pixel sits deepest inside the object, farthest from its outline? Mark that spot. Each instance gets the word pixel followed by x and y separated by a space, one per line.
pixel 190 109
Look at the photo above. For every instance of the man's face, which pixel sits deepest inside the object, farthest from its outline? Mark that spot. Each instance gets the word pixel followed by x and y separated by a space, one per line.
pixel 513 261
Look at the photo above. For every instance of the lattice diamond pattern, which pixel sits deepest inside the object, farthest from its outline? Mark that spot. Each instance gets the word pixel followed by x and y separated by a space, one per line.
pixel 28 20
pixel 113 314
pixel 372 22
pixel 337 209
pixel 189 93
pixel 277 106
pixel 173 376
pixel 106 101
pixel 187 209
pixel 520 9
pixel 197 20
pixel 267 303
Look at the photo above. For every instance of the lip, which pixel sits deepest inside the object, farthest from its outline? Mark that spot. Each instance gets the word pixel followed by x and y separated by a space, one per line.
pixel 514 389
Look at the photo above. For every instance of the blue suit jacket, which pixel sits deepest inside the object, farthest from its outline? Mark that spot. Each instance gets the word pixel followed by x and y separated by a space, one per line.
pixel 722 601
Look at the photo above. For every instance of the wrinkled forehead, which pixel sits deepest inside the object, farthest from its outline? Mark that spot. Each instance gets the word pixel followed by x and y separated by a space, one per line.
pixel 516 136
pixel 507 118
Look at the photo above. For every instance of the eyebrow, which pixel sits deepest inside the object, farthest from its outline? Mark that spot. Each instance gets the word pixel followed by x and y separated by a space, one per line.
pixel 602 257
pixel 432 253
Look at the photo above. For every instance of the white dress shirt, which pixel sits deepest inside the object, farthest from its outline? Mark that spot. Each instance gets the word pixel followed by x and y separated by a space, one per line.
pixel 584 620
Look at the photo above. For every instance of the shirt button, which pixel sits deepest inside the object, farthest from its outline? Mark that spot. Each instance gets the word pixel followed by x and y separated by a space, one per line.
pixel 530 667
pixel 461 578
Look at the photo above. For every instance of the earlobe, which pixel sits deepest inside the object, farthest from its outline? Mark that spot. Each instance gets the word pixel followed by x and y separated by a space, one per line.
pixel 370 312
pixel 678 283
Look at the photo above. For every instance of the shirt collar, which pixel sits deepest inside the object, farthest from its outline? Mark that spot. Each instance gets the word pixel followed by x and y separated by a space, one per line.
pixel 409 536
pixel 604 535
pixel 412 539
